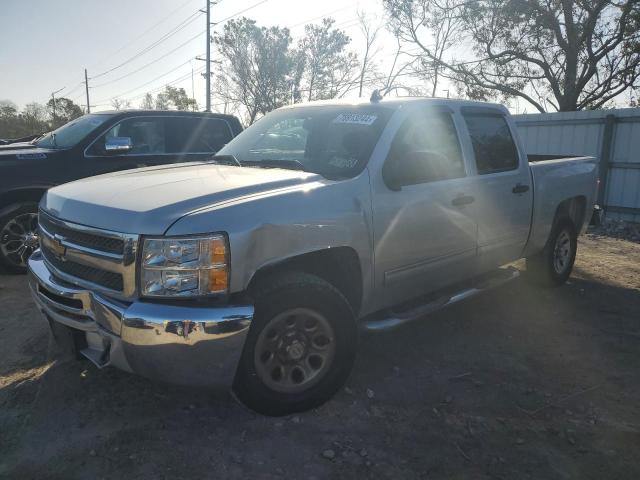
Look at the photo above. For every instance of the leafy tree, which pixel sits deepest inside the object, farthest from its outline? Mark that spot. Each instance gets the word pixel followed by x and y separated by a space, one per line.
pixel 62 111
pixel 329 69
pixel 569 54
pixel 34 119
pixel 177 97
pixel 162 102
pixel 8 120
pixel 256 64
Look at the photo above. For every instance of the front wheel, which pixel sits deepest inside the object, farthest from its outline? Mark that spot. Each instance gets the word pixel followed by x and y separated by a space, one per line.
pixel 300 348
pixel 18 236
pixel 554 264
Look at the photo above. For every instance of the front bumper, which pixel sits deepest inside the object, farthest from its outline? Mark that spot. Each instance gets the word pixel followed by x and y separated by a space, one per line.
pixel 181 344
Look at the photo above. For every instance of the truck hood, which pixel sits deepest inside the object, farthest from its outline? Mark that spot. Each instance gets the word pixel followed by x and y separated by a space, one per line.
pixel 17 151
pixel 149 200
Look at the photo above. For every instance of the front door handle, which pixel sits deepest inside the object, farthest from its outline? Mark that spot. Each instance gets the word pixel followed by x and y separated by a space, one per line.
pixel 462 200
pixel 520 188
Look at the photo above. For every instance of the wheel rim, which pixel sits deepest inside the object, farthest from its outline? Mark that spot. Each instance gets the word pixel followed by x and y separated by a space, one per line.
pixel 562 252
pixel 19 239
pixel 295 350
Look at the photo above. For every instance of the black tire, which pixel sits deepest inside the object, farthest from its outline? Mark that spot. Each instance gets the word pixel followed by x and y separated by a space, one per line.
pixel 11 262
pixel 542 268
pixel 282 293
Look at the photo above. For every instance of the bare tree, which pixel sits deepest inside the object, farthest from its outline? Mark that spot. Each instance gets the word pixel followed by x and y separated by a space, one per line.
pixel 370 34
pixel 147 102
pixel 570 54
pixel 119 104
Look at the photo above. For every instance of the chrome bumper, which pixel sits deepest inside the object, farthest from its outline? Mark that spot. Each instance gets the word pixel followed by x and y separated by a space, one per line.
pixel 175 343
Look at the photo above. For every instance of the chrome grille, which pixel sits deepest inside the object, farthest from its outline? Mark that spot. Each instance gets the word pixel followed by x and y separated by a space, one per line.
pixel 106 244
pixel 110 280
pixel 96 259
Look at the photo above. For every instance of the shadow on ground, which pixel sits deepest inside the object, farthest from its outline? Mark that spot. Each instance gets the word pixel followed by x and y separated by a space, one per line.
pixel 519 383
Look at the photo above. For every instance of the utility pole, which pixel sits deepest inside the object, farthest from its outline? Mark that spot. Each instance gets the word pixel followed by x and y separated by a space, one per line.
pixel 86 86
pixel 208 77
pixel 193 93
pixel 53 101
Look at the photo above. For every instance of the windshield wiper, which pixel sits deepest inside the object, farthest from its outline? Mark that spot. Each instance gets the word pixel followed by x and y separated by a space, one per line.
pixel 287 164
pixel 226 160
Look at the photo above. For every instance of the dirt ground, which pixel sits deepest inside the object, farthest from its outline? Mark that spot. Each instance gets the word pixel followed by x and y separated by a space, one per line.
pixel 519 383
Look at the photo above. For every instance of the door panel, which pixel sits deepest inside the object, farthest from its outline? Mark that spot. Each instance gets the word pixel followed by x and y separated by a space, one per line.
pixel 502 188
pixel 423 241
pixel 424 229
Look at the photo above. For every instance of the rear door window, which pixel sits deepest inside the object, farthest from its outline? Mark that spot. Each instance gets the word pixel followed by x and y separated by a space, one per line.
pixel 493 145
pixel 197 135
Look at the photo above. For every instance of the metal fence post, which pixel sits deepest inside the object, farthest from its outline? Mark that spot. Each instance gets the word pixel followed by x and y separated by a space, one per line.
pixel 605 157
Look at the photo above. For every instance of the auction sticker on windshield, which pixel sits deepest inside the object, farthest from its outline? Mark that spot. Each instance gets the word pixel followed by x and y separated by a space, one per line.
pixel 357 118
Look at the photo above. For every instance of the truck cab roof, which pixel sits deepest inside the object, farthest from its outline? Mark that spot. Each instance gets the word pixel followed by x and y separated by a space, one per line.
pixel 396 102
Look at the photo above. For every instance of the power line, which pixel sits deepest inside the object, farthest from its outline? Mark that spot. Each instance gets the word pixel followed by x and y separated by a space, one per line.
pixel 240 12
pixel 66 94
pixel 175 30
pixel 324 15
pixel 170 14
pixel 150 63
pixel 164 85
pixel 147 82
pixel 129 99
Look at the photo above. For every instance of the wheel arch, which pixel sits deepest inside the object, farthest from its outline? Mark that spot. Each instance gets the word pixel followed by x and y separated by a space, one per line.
pixel 574 209
pixel 339 266
pixel 29 194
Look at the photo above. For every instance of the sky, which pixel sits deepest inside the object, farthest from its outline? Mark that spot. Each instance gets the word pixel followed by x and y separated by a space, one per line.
pixel 47 44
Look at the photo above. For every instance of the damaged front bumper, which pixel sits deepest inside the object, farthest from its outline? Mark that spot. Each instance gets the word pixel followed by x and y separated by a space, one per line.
pixel 177 343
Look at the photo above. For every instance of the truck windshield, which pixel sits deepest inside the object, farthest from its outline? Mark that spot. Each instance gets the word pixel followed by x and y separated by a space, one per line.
pixel 71 133
pixel 334 141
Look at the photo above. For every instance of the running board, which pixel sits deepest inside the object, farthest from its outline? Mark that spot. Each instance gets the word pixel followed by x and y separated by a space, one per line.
pixel 393 319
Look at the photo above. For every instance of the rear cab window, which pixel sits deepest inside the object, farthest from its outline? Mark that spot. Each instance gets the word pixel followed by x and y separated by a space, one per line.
pixel 493 146
pixel 197 134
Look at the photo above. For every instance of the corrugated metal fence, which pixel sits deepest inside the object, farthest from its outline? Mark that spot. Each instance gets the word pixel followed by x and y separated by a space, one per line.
pixel 613 136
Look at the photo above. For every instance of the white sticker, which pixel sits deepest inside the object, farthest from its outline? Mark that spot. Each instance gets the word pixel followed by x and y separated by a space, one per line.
pixel 357 118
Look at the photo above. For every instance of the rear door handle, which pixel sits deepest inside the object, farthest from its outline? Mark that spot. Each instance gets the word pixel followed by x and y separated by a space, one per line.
pixel 520 188
pixel 462 200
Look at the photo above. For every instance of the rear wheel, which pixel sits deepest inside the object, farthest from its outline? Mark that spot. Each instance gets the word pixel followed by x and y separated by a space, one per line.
pixel 18 236
pixel 301 346
pixel 554 264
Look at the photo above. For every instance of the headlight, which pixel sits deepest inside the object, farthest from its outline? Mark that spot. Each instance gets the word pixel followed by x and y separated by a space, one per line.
pixel 184 266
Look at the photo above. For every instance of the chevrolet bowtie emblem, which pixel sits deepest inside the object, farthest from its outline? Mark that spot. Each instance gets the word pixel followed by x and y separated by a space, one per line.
pixel 58 247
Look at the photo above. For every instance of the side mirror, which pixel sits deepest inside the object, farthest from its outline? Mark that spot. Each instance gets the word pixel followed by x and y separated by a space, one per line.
pixel 413 168
pixel 118 144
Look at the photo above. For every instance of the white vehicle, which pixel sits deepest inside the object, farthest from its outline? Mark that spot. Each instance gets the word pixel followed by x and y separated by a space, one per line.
pixel 256 269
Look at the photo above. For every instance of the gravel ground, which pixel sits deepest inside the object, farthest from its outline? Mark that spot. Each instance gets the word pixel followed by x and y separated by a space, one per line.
pixel 518 383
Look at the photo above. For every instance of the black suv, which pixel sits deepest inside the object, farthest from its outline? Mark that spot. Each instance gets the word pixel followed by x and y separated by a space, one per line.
pixel 90 145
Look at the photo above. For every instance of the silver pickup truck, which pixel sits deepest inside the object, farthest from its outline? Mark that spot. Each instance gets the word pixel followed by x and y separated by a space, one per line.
pixel 257 269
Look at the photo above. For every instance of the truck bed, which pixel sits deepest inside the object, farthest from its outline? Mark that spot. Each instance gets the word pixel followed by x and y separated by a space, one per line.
pixel 556 178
